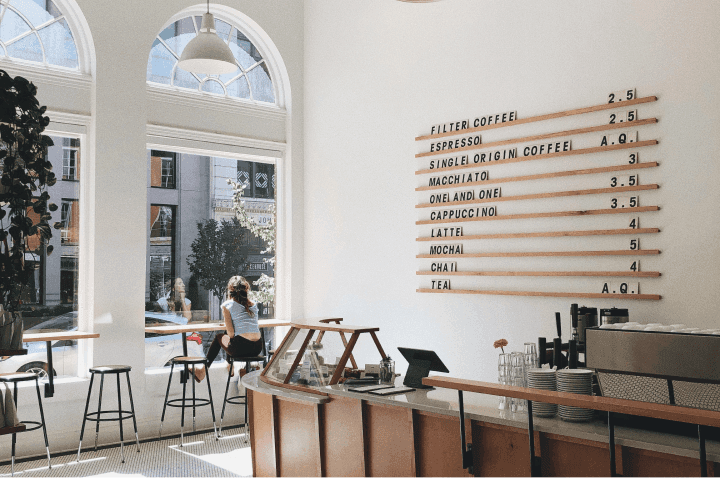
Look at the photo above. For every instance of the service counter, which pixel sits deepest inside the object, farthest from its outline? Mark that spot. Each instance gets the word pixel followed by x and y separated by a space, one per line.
pixel 342 433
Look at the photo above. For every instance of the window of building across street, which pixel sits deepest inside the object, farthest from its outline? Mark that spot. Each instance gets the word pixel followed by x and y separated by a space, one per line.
pixel 162 169
pixel 70 159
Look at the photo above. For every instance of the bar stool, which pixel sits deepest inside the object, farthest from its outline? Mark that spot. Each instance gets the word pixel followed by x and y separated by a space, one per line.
pixel 241 399
pixel 122 414
pixel 15 378
pixel 186 362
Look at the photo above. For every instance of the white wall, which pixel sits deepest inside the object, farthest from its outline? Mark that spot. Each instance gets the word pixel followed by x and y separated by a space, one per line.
pixel 115 221
pixel 380 73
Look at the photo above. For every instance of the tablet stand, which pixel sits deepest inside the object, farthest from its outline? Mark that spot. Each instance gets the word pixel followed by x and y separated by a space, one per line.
pixel 417 370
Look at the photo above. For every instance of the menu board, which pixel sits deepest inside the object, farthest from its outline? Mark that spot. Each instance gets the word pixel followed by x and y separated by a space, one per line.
pixel 466 185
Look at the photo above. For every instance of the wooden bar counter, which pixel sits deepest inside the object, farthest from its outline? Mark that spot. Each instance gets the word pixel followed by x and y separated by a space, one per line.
pixel 342 433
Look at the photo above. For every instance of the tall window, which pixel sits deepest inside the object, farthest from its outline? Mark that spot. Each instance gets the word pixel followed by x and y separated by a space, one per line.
pixel 36 30
pixel 196 245
pixel 50 301
pixel 251 81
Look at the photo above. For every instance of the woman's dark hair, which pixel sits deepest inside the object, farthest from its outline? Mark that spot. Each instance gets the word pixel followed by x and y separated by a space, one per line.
pixel 237 290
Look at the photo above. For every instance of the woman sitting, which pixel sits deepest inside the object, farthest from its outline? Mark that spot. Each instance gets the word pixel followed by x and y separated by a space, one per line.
pixel 243 335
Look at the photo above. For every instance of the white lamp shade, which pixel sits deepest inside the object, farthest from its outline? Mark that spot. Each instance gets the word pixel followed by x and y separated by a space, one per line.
pixel 207 53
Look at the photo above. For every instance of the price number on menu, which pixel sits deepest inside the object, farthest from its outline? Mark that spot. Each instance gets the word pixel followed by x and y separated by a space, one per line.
pixel 635 244
pixel 622 95
pixel 634 158
pixel 621 288
pixel 635 266
pixel 634 223
pixel 619 138
pixel 624 202
pixel 623 117
pixel 622 181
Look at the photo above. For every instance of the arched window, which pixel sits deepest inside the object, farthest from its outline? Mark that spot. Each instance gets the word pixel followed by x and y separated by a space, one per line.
pixel 36 30
pixel 252 81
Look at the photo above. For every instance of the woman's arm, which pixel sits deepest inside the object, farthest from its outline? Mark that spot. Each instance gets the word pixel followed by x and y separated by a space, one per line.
pixel 228 323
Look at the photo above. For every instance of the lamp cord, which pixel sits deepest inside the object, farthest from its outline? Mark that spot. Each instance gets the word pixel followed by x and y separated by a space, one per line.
pixel 208 6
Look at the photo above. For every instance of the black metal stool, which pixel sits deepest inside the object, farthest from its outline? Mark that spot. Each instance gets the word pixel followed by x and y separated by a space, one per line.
pixel 186 362
pixel 14 378
pixel 122 414
pixel 241 399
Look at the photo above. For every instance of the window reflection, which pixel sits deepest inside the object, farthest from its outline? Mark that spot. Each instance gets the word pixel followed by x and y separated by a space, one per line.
pixel 50 300
pixel 176 293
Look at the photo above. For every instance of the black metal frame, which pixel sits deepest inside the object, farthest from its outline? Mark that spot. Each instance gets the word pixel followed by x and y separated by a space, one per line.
pixel 96 416
pixel 38 425
pixel 183 402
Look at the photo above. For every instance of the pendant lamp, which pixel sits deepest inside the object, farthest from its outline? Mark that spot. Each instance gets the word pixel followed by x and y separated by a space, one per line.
pixel 207 53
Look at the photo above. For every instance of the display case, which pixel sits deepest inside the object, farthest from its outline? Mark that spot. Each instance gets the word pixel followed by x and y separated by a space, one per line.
pixel 302 362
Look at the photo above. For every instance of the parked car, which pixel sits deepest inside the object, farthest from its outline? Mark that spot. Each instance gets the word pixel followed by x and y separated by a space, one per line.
pixel 159 348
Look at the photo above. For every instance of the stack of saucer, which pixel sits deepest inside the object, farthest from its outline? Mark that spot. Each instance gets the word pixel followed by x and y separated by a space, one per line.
pixel 578 381
pixel 542 379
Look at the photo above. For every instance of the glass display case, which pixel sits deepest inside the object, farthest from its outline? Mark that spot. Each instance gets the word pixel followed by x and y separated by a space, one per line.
pixel 304 362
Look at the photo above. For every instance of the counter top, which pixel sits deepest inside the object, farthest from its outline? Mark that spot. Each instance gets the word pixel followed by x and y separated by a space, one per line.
pixel 484 408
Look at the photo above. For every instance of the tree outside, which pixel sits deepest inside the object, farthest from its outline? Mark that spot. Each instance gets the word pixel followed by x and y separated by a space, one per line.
pixel 217 254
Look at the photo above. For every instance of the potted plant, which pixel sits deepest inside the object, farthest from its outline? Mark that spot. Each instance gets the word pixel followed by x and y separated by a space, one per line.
pixel 24 199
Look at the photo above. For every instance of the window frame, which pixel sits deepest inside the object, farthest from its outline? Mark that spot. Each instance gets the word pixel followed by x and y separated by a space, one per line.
pixel 235 26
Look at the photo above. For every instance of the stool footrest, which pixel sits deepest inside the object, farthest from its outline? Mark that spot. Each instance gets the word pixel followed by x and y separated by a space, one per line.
pixel 94 416
pixel 38 425
pixel 189 402
pixel 237 400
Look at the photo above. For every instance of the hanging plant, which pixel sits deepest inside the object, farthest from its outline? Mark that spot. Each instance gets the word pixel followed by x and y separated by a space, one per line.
pixel 24 199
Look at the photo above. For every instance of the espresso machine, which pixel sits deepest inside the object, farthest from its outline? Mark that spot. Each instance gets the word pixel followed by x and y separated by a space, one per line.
pixel 570 354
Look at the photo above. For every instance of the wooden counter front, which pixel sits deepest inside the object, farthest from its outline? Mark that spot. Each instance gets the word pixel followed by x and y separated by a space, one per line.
pixel 418 434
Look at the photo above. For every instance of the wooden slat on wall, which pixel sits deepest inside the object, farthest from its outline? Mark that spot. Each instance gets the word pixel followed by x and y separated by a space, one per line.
pixel 536 215
pixel 532 235
pixel 541 273
pixel 622 252
pixel 556 194
pixel 542 137
pixel 534 119
pixel 574 295
pixel 599 149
